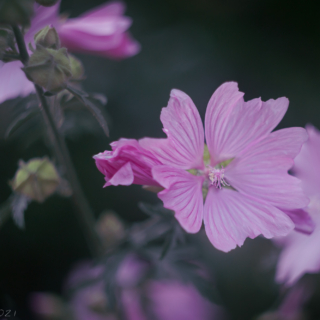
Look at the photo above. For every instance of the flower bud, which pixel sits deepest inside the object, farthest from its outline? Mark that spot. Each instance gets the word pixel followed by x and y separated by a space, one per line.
pixel 36 179
pixel 47 3
pixel 16 11
pixel 49 68
pixel 47 38
pixel 77 69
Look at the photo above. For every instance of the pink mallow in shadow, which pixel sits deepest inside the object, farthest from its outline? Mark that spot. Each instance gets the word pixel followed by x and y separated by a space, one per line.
pixel 237 183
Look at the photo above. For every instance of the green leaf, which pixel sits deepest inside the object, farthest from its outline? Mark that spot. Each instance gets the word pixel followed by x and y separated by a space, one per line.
pixel 20 121
pixel 95 110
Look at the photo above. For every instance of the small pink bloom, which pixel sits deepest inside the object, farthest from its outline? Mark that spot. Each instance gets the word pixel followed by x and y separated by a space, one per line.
pixel 101 31
pixel 246 175
pixel 301 253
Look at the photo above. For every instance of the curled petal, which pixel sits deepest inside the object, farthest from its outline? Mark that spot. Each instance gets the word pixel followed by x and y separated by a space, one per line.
pixel 183 195
pixel 185 143
pixel 127 163
pixel 262 169
pixel 231 124
pixel 124 176
pixel 231 217
pixel 302 220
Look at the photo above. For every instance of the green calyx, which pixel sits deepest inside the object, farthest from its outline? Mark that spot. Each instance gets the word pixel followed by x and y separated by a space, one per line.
pixel 47 38
pixel 49 68
pixel 36 179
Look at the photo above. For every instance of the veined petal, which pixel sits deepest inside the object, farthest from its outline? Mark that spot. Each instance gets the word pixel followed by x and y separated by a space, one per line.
pixel 182 194
pixel 231 217
pixel 231 124
pixel 185 143
pixel 127 157
pixel 262 169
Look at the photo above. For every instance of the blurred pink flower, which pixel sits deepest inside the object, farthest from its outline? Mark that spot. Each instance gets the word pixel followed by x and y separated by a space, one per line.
pixel 245 179
pixel 138 297
pixel 301 253
pixel 101 31
pixel 291 308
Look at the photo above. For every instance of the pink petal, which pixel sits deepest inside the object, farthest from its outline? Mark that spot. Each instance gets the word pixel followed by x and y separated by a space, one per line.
pixel 13 81
pixel 302 220
pixel 127 151
pixel 102 32
pixel 185 143
pixel 124 176
pixel 301 255
pixel 172 300
pixel 231 217
pixel 232 124
pixel 261 169
pixel 127 47
pixel 183 195
pixel 306 165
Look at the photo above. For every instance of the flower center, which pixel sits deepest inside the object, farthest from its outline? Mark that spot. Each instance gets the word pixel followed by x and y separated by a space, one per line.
pixel 216 177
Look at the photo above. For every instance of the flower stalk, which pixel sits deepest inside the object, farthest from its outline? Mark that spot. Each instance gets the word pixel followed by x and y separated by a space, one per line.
pixel 85 214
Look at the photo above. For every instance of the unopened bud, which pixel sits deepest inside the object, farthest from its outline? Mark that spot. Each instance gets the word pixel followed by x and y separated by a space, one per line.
pixel 36 179
pixel 47 38
pixel 77 69
pixel 47 3
pixel 16 11
pixel 49 68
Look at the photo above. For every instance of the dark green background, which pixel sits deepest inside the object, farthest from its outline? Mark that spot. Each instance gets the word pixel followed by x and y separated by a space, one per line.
pixel 271 48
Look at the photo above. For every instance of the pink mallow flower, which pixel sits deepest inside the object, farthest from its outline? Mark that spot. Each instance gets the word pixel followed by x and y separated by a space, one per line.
pixel 301 253
pixel 238 183
pixel 101 31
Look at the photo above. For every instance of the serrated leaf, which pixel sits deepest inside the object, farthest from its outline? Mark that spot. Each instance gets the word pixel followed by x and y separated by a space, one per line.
pixel 95 110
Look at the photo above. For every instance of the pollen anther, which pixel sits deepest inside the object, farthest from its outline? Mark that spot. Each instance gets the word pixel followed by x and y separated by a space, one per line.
pixel 216 177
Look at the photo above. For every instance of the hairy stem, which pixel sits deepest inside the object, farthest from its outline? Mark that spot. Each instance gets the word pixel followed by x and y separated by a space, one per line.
pixel 85 213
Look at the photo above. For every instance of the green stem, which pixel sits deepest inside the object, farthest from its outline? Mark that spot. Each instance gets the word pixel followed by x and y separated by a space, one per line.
pixel 85 213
